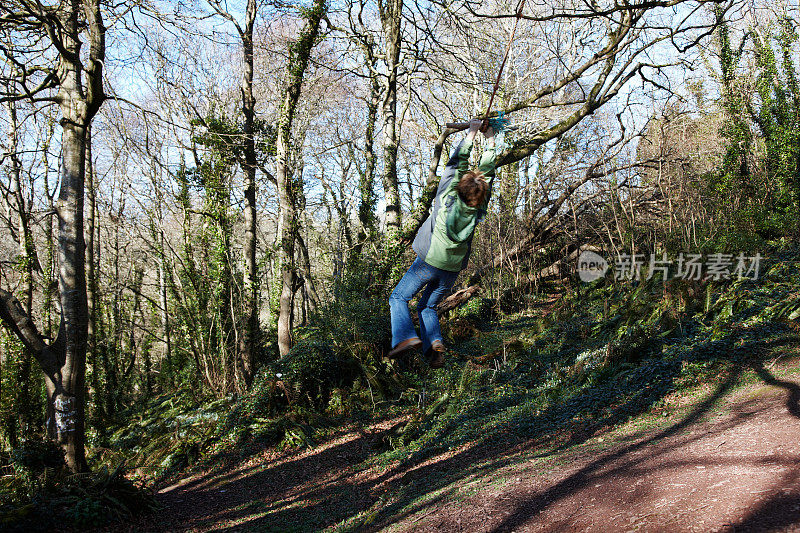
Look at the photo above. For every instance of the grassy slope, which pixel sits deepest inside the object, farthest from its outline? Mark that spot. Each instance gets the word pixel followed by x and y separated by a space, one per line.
pixel 589 369
pixel 599 366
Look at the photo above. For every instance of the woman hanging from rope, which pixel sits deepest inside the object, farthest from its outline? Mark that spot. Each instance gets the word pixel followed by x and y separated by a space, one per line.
pixel 443 245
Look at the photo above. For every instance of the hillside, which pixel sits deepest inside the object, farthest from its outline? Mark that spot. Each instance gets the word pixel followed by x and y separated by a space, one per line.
pixel 618 407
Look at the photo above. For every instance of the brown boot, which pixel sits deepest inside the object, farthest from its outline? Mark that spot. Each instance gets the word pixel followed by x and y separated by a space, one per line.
pixel 435 354
pixel 405 346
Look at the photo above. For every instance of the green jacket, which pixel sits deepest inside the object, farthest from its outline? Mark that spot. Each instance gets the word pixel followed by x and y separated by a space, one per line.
pixel 445 239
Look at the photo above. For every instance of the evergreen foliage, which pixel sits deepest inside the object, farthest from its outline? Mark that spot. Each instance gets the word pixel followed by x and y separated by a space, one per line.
pixel 760 178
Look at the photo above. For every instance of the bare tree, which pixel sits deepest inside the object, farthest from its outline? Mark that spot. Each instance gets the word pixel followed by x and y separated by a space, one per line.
pixel 391 12
pixel 249 342
pixel 582 74
pixel 43 48
pixel 287 187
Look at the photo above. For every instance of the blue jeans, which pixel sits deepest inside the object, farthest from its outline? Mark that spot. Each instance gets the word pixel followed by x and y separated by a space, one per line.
pixel 437 283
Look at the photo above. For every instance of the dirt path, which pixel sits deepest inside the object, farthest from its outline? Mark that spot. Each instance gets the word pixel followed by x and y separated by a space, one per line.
pixel 739 472
pixel 718 462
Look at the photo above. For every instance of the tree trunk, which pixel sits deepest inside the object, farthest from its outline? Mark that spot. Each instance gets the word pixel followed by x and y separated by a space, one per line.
pixel 91 284
pixel 163 303
pixel 68 392
pixel 48 276
pixel 308 282
pixel 64 362
pixel 391 18
pixel 131 350
pixel 287 193
pixel 366 208
pixel 250 340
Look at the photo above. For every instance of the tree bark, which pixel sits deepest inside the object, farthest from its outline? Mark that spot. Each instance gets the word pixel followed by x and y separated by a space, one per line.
pixel 366 186
pixel 391 20
pixel 64 361
pixel 163 303
pixel 250 339
pixel 287 193
pixel 91 283
pixel 68 395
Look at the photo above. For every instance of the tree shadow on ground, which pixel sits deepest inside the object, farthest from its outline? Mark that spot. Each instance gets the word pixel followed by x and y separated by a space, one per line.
pixel 793 399
pixel 264 499
pixel 586 475
pixel 210 498
pixel 781 511
pixel 776 513
pixel 222 467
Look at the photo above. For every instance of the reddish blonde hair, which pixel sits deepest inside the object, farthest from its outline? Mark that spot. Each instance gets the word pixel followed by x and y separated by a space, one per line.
pixel 472 188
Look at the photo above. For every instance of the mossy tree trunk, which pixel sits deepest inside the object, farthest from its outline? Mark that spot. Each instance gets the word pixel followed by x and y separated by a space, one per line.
pixel 391 12
pixel 288 194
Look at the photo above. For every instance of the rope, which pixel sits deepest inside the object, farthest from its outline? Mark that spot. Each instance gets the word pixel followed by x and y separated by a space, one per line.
pixel 502 65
